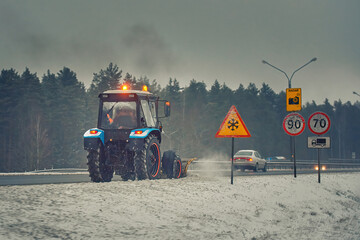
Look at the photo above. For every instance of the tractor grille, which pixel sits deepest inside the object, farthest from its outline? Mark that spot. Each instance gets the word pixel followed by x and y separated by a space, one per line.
pixel 116 135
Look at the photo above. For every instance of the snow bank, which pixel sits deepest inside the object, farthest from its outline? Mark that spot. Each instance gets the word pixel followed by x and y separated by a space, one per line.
pixel 62 171
pixel 196 207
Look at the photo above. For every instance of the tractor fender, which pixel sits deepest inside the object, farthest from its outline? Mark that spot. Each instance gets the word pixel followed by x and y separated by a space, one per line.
pixel 144 132
pixel 137 136
pixel 92 138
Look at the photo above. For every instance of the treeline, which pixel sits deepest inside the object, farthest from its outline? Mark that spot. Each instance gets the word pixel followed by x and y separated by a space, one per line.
pixel 42 122
pixel 199 113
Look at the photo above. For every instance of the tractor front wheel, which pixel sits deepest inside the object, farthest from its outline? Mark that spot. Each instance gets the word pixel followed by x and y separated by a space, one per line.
pixel 171 164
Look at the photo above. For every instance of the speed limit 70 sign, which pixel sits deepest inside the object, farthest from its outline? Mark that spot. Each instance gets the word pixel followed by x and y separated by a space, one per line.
pixel 294 124
pixel 319 123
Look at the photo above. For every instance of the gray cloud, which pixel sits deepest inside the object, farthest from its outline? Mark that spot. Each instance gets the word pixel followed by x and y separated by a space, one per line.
pixel 39 43
pixel 204 40
pixel 148 49
pixel 22 36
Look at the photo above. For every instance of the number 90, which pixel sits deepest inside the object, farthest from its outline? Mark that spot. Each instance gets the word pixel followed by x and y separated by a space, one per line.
pixel 294 124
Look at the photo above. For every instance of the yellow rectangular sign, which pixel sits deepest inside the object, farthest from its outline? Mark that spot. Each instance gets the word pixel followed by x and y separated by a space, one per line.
pixel 293 99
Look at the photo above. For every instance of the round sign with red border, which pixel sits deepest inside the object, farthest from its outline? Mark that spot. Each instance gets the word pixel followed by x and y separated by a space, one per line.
pixel 319 123
pixel 294 124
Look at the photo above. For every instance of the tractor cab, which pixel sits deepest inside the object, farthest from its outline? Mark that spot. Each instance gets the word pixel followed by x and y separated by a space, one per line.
pixel 130 109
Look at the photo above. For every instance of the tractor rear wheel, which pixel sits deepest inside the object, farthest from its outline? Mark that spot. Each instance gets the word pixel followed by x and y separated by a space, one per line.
pixel 107 172
pixel 126 174
pixel 98 171
pixel 147 160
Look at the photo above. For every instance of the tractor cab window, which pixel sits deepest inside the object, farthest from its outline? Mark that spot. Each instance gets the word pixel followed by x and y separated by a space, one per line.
pixel 119 115
pixel 146 107
pixel 152 106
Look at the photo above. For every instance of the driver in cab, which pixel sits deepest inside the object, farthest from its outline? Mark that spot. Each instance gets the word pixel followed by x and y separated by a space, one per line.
pixel 124 118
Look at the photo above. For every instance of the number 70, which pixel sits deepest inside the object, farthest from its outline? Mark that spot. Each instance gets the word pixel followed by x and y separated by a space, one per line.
pixel 321 122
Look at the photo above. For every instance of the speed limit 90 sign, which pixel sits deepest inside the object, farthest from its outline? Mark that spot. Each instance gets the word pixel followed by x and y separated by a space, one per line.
pixel 319 123
pixel 294 124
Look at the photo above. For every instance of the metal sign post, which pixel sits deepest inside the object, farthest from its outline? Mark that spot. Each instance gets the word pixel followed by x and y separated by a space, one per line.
pixel 294 158
pixel 232 161
pixel 319 167
pixel 318 143
pixel 232 127
pixel 319 123
pixel 294 125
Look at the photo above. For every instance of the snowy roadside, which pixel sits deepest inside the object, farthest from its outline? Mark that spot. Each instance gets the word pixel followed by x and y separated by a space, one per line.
pixel 64 171
pixel 196 207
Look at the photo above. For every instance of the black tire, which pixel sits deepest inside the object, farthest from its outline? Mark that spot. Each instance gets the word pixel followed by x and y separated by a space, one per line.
pixel 177 168
pixel 126 175
pixel 127 170
pixel 167 159
pixel 94 165
pixel 98 171
pixel 256 168
pixel 265 168
pixel 147 161
pixel 107 172
pixel 171 164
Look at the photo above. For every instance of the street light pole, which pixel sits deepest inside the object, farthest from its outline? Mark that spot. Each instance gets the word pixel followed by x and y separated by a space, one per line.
pixel 183 121
pixel 289 79
pixel 292 140
pixel 356 93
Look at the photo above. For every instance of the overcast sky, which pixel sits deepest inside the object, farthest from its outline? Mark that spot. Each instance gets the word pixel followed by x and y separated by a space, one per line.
pixel 203 40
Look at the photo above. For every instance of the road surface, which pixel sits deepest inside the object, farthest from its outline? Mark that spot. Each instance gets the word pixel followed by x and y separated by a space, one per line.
pixel 58 177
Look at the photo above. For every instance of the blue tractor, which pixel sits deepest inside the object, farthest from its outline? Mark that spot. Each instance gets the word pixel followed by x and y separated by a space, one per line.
pixel 127 138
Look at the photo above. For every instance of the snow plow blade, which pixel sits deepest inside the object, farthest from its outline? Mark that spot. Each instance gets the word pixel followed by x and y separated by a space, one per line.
pixel 184 171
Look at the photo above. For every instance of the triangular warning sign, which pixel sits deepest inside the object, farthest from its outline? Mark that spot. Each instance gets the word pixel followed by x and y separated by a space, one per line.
pixel 232 126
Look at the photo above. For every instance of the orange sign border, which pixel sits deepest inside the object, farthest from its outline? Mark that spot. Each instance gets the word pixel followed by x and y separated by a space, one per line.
pixel 233 108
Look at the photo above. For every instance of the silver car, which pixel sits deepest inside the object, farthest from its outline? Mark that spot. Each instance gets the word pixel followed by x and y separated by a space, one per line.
pixel 249 159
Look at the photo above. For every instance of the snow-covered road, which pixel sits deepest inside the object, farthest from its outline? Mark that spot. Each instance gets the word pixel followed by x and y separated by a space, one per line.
pixel 196 207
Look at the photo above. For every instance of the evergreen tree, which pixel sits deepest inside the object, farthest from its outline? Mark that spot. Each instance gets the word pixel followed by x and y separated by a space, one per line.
pixel 130 81
pixel 65 104
pixel 105 80
pixel 173 135
pixel 32 135
pixel 195 130
pixel 9 100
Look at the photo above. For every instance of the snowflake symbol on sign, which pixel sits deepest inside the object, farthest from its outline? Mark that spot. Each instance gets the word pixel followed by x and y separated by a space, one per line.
pixel 233 124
